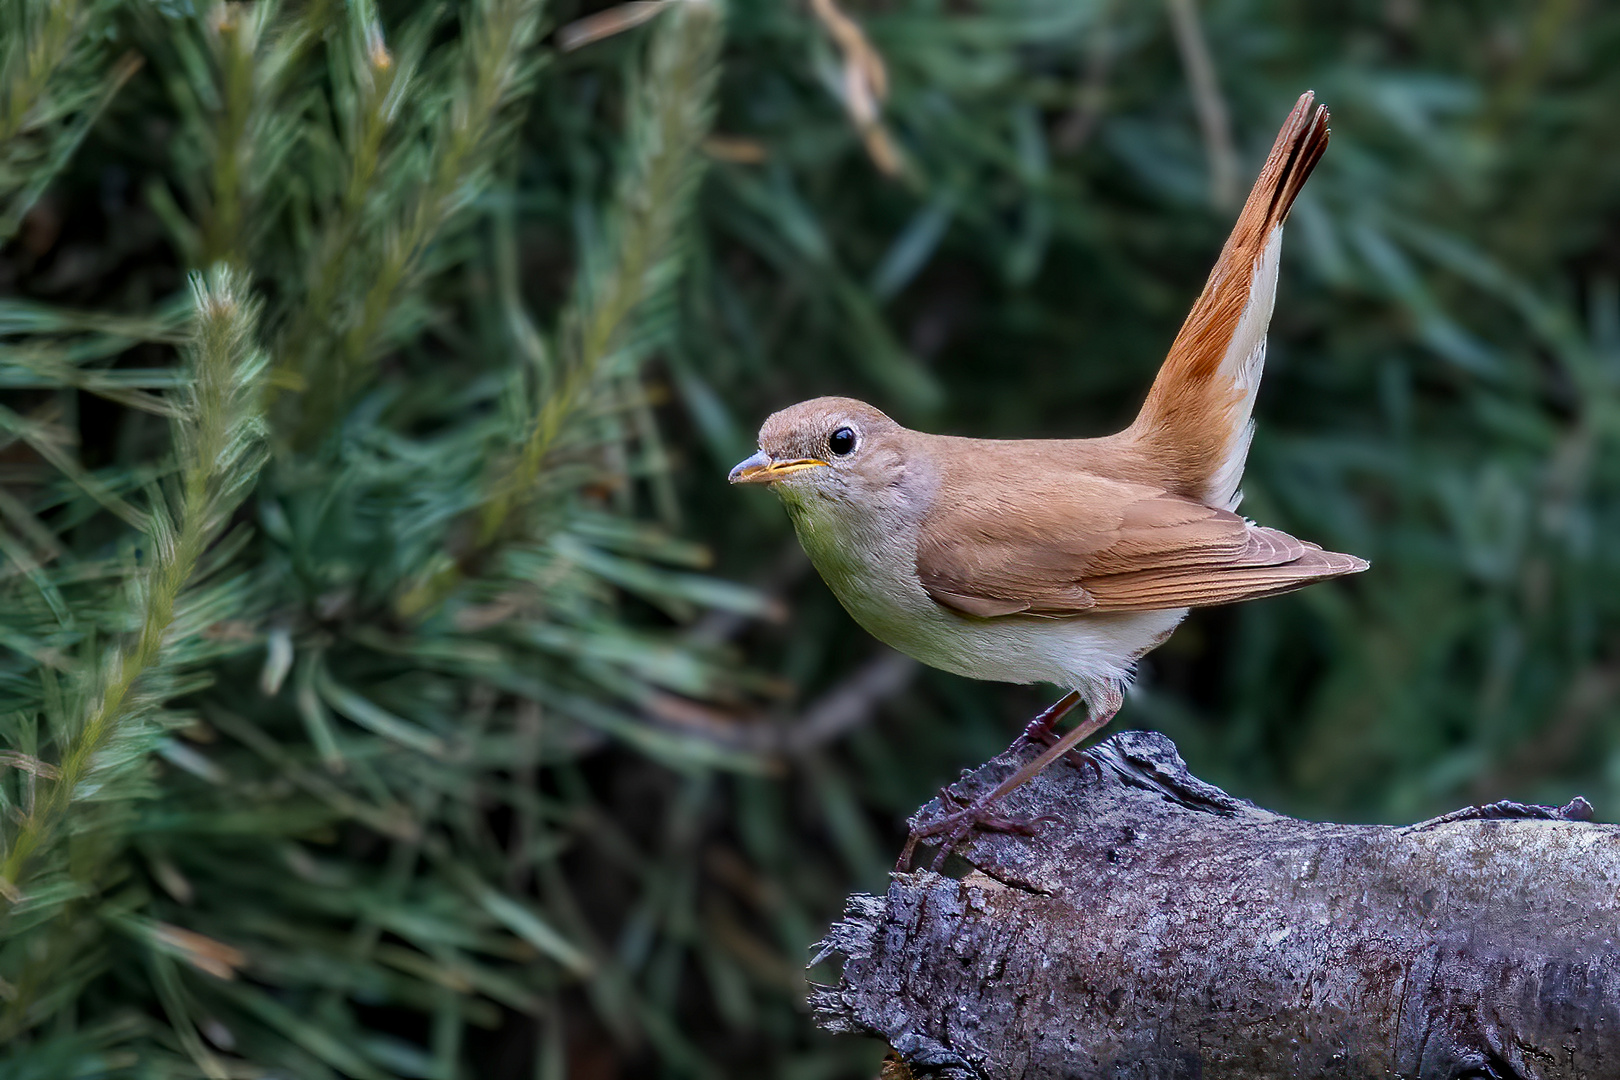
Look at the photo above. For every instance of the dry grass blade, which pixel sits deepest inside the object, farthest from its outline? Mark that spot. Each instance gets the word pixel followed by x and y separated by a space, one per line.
pixel 604 24
pixel 865 84
pixel 1213 122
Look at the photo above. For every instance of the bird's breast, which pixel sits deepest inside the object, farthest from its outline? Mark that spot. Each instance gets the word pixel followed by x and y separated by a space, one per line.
pixel 870 563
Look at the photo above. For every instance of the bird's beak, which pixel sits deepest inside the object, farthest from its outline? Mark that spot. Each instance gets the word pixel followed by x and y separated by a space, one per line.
pixel 764 469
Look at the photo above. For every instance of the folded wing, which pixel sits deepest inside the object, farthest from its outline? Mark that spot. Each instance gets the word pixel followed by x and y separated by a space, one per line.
pixel 1066 545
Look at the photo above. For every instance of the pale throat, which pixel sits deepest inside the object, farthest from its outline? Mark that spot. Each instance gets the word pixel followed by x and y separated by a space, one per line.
pixel 867 556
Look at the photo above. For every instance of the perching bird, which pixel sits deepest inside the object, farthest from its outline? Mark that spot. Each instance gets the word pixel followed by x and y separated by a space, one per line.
pixel 1061 560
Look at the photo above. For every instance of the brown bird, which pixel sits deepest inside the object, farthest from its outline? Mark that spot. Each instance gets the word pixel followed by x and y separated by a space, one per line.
pixel 1060 560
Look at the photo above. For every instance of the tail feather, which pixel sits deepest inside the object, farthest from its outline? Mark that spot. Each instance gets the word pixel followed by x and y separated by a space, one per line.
pixel 1195 424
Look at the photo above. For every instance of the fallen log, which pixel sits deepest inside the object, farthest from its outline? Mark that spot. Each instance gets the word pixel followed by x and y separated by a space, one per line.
pixel 1156 927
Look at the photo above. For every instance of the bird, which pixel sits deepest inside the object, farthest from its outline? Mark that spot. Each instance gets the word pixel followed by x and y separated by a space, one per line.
pixel 1060 561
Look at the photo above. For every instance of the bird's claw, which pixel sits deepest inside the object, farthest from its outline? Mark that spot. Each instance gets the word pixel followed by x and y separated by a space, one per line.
pixel 956 824
pixel 954 827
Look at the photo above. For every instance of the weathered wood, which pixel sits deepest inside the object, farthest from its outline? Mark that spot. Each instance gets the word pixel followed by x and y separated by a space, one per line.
pixel 1157 927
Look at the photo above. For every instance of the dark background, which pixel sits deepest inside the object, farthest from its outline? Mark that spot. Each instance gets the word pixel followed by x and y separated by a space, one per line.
pixel 686 780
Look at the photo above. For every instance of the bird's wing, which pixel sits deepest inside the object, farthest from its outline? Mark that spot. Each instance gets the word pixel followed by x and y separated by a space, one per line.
pixel 1065 544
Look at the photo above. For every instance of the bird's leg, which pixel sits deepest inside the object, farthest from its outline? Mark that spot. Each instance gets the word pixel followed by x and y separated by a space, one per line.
pixel 1040 728
pixel 956 825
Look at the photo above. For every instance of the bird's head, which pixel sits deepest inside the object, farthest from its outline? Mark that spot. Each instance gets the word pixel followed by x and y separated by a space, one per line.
pixel 831 446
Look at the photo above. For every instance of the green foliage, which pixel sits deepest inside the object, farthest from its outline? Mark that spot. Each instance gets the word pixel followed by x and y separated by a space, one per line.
pixel 100 729
pixel 59 73
pixel 274 762
pixel 1442 368
pixel 370 704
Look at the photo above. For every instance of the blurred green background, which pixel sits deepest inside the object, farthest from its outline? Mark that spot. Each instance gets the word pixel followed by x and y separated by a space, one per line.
pixel 391 686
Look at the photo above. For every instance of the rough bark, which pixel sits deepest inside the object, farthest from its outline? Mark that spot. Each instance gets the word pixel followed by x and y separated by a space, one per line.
pixel 1156 927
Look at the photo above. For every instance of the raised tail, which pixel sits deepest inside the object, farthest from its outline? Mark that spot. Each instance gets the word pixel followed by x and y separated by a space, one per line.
pixel 1195 424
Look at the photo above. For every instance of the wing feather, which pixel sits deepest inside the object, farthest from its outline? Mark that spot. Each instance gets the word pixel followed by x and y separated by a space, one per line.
pixel 999 544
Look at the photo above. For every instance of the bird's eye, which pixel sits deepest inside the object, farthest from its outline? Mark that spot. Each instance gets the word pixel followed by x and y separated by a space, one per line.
pixel 842 441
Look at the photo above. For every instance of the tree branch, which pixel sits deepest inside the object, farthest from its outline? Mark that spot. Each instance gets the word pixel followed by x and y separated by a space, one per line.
pixel 1155 926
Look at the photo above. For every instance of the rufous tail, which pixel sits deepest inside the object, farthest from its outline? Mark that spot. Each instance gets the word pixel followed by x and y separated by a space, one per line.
pixel 1195 424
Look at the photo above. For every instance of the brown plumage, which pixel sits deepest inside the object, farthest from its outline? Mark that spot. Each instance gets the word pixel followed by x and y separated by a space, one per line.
pixel 1155 500
pixel 1040 527
pixel 1061 560
pixel 1197 412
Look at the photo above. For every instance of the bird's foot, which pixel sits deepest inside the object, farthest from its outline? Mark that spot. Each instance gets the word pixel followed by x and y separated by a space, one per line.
pixel 956 824
pixel 953 827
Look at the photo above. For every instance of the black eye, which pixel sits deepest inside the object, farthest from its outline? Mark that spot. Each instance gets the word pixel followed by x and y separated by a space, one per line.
pixel 842 441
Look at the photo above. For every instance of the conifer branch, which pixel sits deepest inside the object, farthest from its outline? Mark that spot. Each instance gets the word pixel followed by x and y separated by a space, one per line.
pixel 405 836
pixel 31 66
pixel 219 434
pixel 257 55
pixel 672 113
pixel 380 83
pixel 238 39
pixel 54 83
pixel 495 71
pixel 374 82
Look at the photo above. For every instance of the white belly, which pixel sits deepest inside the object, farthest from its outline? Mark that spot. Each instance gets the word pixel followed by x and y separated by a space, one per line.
pixel 1076 653
pixel 886 598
